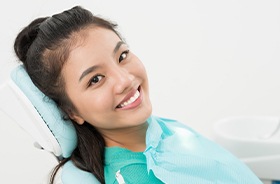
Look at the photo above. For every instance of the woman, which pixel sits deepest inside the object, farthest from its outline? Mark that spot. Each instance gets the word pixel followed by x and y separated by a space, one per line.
pixel 83 64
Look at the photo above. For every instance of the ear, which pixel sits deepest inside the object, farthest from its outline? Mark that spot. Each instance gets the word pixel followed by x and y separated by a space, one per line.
pixel 78 119
pixel 75 117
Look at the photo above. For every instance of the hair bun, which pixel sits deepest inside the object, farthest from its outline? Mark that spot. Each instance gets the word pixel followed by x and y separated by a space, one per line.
pixel 26 37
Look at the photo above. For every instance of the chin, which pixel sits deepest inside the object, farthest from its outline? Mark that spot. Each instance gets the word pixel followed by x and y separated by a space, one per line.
pixel 145 115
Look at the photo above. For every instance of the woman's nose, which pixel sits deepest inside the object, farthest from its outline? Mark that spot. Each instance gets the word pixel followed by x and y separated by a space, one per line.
pixel 123 81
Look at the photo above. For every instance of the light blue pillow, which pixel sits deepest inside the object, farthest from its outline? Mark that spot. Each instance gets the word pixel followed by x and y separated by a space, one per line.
pixel 72 175
pixel 62 130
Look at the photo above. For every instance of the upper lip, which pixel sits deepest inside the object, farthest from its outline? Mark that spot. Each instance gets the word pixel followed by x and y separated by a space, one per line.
pixel 128 96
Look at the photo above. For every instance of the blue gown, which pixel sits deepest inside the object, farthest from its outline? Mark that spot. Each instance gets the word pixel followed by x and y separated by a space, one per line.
pixel 175 153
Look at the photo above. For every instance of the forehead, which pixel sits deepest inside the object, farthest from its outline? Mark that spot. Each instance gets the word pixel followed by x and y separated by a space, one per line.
pixel 95 38
pixel 93 46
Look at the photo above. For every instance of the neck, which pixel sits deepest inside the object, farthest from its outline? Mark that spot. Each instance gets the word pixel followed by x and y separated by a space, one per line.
pixel 132 138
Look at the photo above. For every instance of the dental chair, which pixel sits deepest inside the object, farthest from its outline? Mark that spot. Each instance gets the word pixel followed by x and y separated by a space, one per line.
pixel 39 116
pixel 255 141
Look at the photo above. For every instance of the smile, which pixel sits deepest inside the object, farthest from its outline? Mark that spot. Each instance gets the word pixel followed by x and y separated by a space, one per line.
pixel 132 102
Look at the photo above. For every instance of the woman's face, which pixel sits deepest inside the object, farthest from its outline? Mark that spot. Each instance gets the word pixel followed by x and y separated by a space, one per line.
pixel 106 82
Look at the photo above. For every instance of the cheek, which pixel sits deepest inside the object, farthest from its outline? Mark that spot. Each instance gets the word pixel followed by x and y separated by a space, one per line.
pixel 94 103
pixel 95 108
pixel 139 69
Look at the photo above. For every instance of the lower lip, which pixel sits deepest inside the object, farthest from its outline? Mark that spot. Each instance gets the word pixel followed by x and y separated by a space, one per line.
pixel 135 104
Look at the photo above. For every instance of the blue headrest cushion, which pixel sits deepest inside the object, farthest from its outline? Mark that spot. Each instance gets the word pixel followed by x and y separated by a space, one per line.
pixel 63 130
pixel 72 175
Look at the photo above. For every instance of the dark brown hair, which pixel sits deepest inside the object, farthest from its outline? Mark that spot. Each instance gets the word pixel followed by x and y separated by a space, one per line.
pixel 43 47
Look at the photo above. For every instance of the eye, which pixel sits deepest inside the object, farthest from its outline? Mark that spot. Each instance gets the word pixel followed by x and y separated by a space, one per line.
pixel 95 79
pixel 123 55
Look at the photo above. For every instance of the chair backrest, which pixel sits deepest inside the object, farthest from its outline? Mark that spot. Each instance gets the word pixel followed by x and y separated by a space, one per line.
pixel 37 114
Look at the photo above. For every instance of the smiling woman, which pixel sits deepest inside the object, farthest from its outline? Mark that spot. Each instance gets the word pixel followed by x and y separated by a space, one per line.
pixel 111 82
pixel 82 63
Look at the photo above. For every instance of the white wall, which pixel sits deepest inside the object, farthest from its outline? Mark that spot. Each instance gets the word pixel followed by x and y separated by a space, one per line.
pixel 206 60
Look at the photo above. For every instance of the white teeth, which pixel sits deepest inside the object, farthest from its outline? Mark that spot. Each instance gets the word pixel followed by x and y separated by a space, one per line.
pixel 131 100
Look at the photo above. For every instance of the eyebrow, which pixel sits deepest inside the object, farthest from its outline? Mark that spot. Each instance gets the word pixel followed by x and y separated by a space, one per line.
pixel 87 71
pixel 93 68
pixel 119 44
